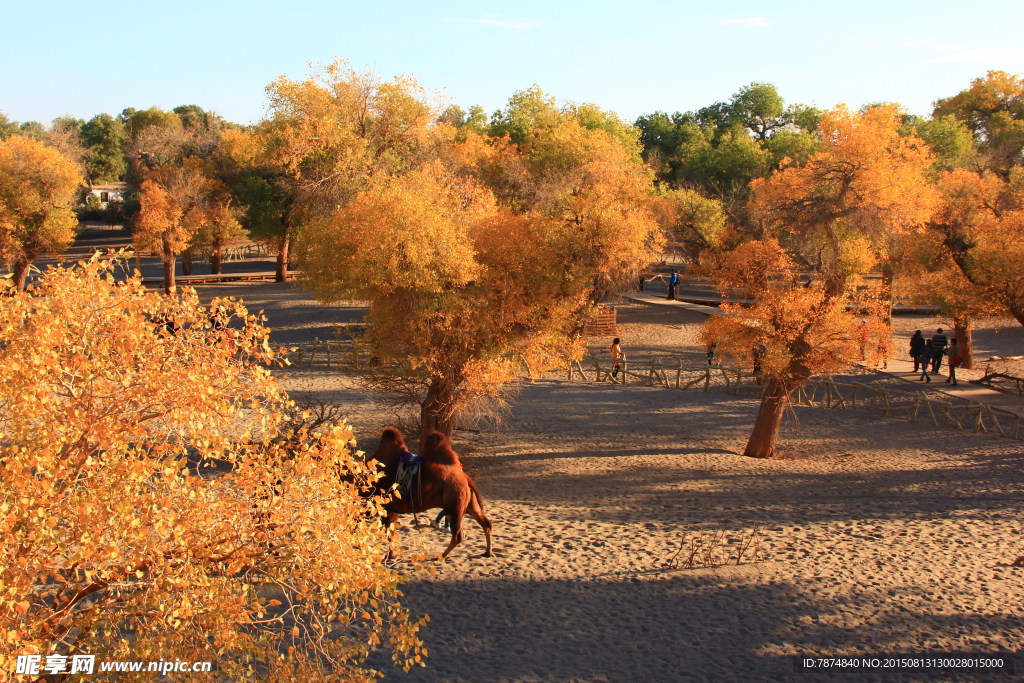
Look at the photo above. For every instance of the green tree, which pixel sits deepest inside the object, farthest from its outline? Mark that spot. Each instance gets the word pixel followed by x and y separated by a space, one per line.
pixel 104 138
pixel 993 109
pixel 719 149
pixel 950 140
pixel 759 108
pixel 7 127
pixel 474 120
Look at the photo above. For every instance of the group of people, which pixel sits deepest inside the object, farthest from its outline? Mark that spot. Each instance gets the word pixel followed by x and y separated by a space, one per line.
pixel 928 353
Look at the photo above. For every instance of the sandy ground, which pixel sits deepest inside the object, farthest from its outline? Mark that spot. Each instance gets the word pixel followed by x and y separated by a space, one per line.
pixel 879 536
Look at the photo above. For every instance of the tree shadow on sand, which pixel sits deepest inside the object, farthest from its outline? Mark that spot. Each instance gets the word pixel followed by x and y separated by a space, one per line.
pixel 700 627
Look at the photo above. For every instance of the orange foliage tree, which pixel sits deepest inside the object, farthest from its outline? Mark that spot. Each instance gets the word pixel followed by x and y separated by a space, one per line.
pixel 152 507
pixel 980 221
pixel 485 260
pixel 37 186
pixel 179 201
pixel 840 211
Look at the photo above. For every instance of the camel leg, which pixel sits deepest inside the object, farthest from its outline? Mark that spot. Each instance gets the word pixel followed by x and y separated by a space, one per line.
pixel 456 519
pixel 476 511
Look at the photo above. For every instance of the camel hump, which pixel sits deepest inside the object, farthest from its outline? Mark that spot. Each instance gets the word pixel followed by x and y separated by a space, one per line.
pixel 438 450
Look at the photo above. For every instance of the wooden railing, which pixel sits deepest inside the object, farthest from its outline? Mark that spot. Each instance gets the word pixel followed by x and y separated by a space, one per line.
pixel 815 393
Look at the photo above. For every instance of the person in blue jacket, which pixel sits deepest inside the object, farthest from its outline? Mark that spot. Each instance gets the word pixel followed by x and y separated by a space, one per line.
pixel 927 353
pixel 673 282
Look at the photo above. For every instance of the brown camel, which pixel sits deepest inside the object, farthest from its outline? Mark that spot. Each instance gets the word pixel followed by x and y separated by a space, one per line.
pixel 443 485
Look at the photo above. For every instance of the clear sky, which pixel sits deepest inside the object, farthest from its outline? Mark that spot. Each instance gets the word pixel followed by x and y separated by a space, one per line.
pixel 82 58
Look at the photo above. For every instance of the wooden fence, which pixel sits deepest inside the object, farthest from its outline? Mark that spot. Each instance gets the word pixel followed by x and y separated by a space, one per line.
pixel 972 416
pixel 914 406
pixel 666 373
pixel 815 393
pixel 238 253
pixel 336 353
pixel 603 323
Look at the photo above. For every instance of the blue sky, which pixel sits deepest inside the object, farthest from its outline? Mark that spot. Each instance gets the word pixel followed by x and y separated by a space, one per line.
pixel 81 58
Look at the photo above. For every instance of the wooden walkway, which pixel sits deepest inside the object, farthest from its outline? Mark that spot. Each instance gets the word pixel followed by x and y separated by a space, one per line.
pixel 645 298
pixel 963 390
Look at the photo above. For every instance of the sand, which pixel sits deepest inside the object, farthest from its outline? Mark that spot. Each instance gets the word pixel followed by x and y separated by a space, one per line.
pixel 879 536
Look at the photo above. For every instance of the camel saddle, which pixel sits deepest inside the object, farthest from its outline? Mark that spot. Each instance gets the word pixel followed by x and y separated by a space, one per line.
pixel 408 479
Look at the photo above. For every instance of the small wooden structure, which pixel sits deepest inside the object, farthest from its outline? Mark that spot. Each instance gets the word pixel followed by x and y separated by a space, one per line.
pixel 602 323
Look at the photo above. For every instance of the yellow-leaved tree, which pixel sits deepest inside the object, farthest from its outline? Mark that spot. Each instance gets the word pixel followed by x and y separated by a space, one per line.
pixel 37 186
pixel 152 506
pixel 179 202
pixel 840 211
pixel 487 259
pixel 324 138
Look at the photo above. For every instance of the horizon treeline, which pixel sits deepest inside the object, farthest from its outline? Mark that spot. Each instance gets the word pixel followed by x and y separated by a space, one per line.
pixel 206 180
pixel 716 150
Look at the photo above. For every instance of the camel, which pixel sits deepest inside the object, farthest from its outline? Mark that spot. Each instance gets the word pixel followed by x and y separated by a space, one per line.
pixel 444 485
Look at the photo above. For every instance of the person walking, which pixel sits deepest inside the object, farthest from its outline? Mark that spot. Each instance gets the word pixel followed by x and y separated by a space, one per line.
pixel 953 351
pixel 916 342
pixel 617 357
pixel 939 344
pixel 673 283
pixel 926 359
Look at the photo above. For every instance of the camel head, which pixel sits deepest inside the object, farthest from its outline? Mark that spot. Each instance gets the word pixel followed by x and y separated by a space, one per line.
pixel 391 444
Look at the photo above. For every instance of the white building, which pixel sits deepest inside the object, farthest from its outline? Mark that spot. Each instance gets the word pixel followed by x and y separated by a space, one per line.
pixel 106 193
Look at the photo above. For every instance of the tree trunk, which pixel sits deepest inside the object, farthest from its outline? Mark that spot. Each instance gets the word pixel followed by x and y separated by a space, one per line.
pixel 765 436
pixel 20 272
pixel 186 262
pixel 1016 310
pixel 216 258
pixel 438 410
pixel 169 273
pixel 282 259
pixel 965 339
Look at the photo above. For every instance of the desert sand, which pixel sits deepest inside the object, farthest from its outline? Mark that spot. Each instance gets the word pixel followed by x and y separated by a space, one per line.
pixel 879 536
